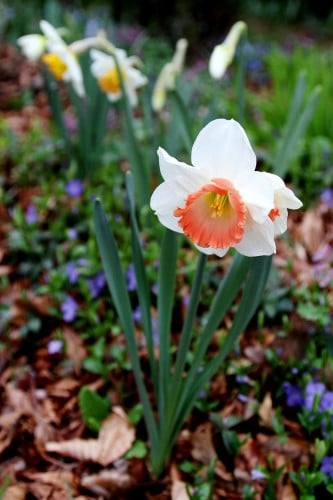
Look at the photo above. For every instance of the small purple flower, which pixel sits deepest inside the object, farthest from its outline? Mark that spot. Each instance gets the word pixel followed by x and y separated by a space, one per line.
pixel 74 187
pixel 326 402
pixel 69 308
pixel 137 314
pixel 96 284
pixel 327 197
pixel 293 394
pixel 55 346
pixel 72 233
pixel 327 466
pixel 257 474
pixel 72 272
pixel 131 278
pixel 313 390
pixel 31 215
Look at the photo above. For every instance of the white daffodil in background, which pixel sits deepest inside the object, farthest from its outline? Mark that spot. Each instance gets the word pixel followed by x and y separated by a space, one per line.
pixel 104 69
pixel 223 53
pixel 221 201
pixel 60 59
pixel 167 78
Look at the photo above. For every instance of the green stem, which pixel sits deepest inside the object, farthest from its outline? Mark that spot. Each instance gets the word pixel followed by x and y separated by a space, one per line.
pixel 166 286
pixel 182 111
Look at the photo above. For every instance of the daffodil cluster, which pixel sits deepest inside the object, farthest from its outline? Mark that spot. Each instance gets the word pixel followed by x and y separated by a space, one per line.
pixel 63 63
pixel 222 201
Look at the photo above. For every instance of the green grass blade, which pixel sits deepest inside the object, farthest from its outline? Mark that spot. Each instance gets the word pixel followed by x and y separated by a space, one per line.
pixel 114 275
pixel 252 293
pixel 165 302
pixel 141 280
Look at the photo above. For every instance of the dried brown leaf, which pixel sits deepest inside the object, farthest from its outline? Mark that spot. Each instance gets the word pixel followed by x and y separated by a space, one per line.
pixel 178 491
pixel 266 411
pixel 115 438
pixel 107 481
pixel 203 449
pixel 15 492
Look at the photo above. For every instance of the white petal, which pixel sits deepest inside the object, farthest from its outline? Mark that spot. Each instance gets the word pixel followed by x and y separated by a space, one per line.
pixel 257 193
pixel 223 149
pixel 280 222
pixel 219 61
pixel 32 46
pixel 283 196
pixel 170 167
pixel 220 252
pixel 164 202
pixel 258 239
pixel 51 33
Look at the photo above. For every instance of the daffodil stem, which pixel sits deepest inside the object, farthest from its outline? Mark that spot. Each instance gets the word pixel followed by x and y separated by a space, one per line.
pixel 182 112
pixel 140 174
pixel 185 341
pixel 166 286
pixel 240 78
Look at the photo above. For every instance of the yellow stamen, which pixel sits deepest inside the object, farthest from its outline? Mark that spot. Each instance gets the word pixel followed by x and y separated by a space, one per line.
pixel 110 82
pixel 55 64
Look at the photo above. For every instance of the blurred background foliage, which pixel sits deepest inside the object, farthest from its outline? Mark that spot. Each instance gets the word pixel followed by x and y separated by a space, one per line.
pixel 197 20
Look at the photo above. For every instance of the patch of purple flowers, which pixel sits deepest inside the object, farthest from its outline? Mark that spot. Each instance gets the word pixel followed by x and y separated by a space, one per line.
pixel 327 466
pixel 313 390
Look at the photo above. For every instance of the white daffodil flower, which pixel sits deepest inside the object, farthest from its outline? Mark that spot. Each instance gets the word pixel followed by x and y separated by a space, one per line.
pixel 167 77
pixel 32 46
pixel 284 198
pixel 223 53
pixel 220 201
pixel 60 59
pixel 104 69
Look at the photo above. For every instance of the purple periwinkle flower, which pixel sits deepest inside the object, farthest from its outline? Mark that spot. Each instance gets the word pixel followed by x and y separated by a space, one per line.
pixel 257 474
pixel 327 197
pixel 326 402
pixel 74 188
pixel 131 278
pixel 55 346
pixel 69 308
pixel 313 390
pixel 72 272
pixel 293 394
pixel 96 284
pixel 72 233
pixel 327 466
pixel 31 215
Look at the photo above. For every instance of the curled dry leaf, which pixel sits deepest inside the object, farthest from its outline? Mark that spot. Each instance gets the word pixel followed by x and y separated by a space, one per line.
pixel 266 411
pixel 115 438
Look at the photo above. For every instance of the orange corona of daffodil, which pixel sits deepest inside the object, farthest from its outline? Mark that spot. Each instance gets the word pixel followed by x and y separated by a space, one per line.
pixel 221 201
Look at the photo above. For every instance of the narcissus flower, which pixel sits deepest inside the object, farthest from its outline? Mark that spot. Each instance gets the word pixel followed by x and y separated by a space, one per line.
pixel 167 77
pixel 221 201
pixel 105 71
pixel 223 53
pixel 60 59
